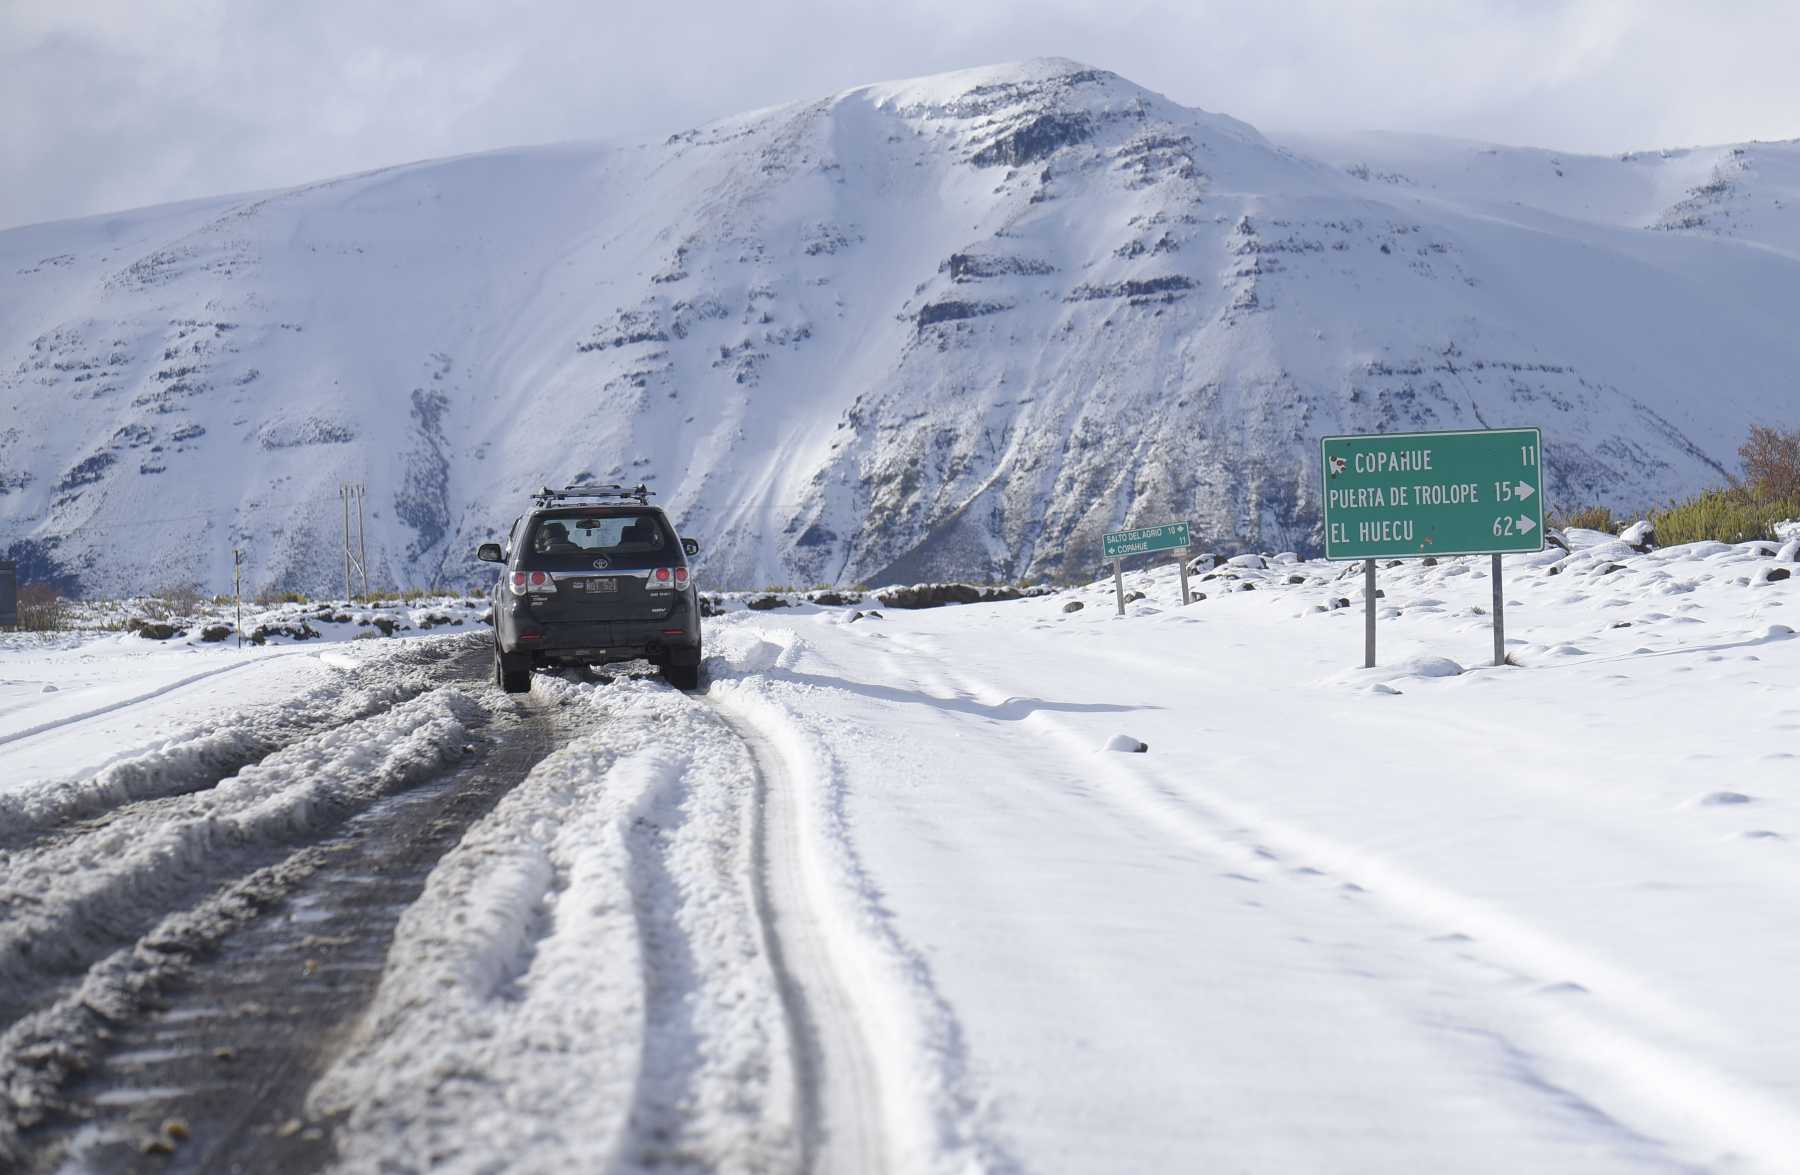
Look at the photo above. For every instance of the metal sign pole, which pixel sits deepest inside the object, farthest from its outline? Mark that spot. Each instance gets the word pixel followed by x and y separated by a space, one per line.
pixel 1499 617
pixel 362 546
pixel 1368 613
pixel 344 493
pixel 1119 583
pixel 1182 557
pixel 237 587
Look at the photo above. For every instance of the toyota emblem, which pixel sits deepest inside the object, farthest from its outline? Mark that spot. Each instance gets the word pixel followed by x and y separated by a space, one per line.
pixel 602 563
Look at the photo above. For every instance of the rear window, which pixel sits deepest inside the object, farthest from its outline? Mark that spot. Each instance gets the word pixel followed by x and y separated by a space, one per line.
pixel 628 537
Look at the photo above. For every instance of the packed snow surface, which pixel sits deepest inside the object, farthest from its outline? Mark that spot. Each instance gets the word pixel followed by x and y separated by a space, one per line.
pixel 1436 915
pixel 945 328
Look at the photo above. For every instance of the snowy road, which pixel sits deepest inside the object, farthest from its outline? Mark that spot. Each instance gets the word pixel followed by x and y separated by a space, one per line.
pixel 878 901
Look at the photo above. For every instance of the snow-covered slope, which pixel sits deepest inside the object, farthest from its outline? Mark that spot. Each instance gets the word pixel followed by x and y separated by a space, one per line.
pixel 959 325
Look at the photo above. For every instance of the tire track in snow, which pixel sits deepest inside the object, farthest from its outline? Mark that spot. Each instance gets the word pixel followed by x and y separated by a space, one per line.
pixel 892 1057
pixel 274 983
pixel 1610 1068
pixel 75 901
pixel 832 1059
pixel 125 703
pixel 583 979
pixel 199 758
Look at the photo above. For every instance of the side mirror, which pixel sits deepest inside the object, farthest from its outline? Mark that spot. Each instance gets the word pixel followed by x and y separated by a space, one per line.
pixel 691 546
pixel 489 553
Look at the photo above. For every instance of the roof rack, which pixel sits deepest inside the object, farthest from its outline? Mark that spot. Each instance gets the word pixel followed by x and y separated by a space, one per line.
pixel 639 493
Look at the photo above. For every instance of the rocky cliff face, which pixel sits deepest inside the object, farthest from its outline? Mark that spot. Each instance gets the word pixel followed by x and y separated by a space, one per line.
pixel 958 326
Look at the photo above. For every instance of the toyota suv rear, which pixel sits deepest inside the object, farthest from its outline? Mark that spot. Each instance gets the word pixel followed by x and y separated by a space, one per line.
pixel 591 575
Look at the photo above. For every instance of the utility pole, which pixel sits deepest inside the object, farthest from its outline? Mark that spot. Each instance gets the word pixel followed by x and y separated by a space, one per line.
pixel 362 546
pixel 237 587
pixel 357 558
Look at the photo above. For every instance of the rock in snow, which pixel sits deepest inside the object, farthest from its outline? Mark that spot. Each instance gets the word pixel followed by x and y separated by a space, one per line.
pixel 1124 742
pixel 1426 666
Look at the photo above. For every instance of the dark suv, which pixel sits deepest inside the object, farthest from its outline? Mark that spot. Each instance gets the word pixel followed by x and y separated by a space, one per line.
pixel 594 574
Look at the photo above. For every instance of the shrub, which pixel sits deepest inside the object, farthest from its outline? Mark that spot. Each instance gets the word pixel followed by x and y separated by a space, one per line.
pixel 42 609
pixel 1724 516
pixel 1771 459
pixel 408 596
pixel 175 601
pixel 1586 518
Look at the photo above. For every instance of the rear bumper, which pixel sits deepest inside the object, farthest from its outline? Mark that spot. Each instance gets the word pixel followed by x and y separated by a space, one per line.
pixel 674 640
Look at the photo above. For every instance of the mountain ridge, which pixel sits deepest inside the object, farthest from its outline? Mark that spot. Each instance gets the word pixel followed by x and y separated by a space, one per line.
pixel 948 326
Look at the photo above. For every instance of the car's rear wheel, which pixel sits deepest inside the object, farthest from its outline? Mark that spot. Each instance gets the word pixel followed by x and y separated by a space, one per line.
pixel 682 676
pixel 509 676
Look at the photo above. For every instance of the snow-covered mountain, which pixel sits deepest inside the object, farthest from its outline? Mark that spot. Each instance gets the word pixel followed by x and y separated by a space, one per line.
pixel 954 326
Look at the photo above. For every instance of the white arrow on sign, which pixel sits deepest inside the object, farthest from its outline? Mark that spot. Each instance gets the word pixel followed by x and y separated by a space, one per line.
pixel 1526 525
pixel 1523 491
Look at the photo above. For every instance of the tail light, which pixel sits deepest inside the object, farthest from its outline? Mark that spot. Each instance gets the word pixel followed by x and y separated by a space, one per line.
pixel 681 577
pixel 661 580
pixel 537 582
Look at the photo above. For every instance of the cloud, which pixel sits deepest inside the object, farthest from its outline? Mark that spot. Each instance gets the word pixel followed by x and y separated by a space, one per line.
pixel 120 103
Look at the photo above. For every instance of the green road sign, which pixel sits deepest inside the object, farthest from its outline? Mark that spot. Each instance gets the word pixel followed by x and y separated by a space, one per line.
pixel 1401 495
pixel 1167 537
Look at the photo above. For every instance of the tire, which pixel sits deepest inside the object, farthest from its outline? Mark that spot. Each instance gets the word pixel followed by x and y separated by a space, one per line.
pixel 512 681
pixel 682 677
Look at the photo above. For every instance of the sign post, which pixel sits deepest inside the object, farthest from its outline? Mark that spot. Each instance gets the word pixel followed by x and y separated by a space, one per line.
pixel 1368 613
pixel 1170 536
pixel 1409 495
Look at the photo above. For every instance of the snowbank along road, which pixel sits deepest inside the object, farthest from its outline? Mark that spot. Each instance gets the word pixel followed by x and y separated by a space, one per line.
pixel 880 900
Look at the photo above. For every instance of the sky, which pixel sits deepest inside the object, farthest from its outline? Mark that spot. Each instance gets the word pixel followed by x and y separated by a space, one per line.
pixel 115 104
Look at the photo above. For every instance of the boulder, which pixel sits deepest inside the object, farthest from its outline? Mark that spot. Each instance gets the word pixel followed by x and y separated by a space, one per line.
pixel 301 632
pixel 1073 606
pixel 767 603
pixel 214 633
pixel 152 630
pixel 936 595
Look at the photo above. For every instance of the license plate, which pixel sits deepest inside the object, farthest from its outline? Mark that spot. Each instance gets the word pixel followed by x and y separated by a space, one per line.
pixel 598 584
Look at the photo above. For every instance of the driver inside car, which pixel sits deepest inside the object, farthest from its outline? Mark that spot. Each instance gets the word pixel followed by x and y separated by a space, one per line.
pixel 553 539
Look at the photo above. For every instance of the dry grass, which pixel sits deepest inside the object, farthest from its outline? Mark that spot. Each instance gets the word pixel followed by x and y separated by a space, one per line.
pixel 42 609
pixel 1586 518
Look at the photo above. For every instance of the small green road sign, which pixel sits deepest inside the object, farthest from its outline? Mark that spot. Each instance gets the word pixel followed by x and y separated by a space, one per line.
pixel 1169 536
pixel 1405 495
